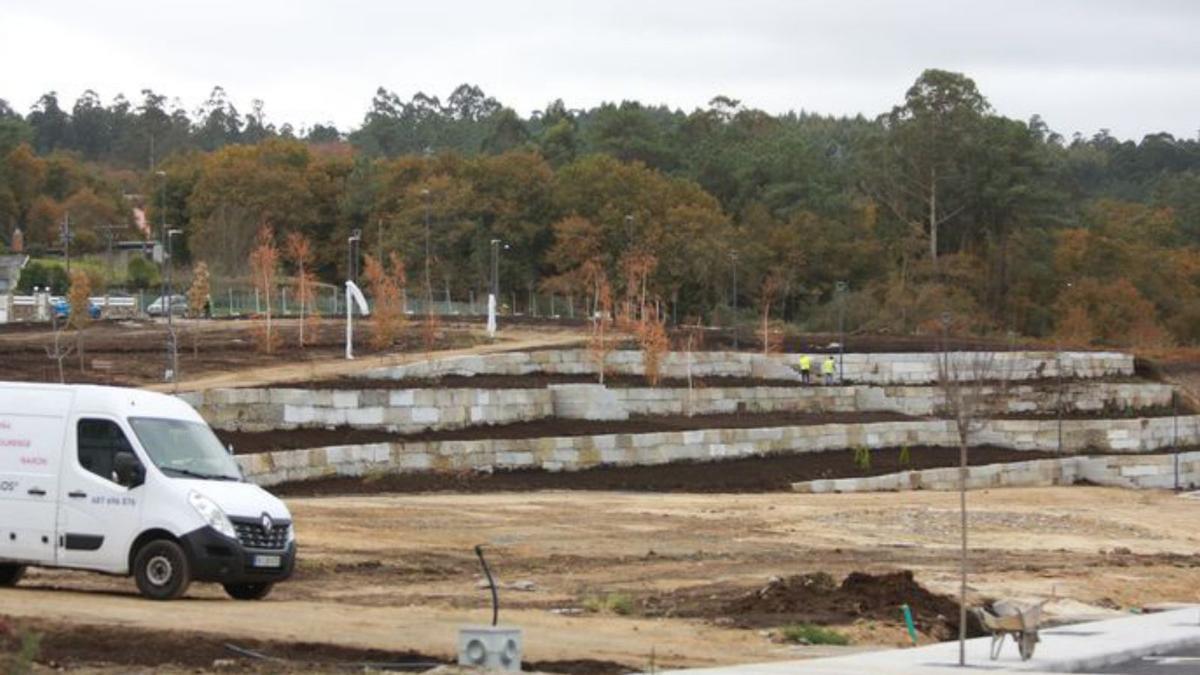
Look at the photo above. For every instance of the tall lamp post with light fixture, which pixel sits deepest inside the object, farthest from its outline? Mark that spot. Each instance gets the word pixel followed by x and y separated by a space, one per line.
pixel 173 341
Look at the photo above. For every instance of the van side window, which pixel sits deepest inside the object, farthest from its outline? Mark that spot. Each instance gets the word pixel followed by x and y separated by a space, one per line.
pixel 99 442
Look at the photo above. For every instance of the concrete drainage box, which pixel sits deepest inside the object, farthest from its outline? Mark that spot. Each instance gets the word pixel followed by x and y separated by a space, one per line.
pixel 490 647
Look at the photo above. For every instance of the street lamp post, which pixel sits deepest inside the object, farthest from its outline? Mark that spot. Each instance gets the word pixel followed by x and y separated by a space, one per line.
pixel 173 342
pixel 494 295
pixel 428 253
pixel 351 278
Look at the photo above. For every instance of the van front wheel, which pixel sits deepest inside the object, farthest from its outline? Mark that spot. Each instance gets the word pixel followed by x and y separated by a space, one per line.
pixel 161 570
pixel 248 591
pixel 11 574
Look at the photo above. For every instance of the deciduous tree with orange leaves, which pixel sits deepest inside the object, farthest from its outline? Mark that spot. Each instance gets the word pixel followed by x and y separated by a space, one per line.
pixel 299 253
pixel 264 269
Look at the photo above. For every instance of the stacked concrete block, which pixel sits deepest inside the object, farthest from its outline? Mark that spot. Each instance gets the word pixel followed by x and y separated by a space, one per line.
pixel 1139 472
pixel 887 368
pixel 572 453
pixel 586 402
pixel 401 411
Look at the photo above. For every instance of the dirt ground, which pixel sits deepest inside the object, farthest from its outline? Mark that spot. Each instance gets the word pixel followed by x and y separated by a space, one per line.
pixel 248 442
pixel 224 352
pixel 636 578
pixel 746 475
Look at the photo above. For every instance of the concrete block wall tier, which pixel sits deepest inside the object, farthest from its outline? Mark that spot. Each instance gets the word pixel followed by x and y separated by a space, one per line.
pixel 1151 471
pixel 573 453
pixel 913 368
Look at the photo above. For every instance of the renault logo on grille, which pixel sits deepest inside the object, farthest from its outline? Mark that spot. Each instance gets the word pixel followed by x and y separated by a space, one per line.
pixel 267 523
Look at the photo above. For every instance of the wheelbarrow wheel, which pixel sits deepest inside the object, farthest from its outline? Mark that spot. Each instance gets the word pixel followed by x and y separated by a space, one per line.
pixel 1026 643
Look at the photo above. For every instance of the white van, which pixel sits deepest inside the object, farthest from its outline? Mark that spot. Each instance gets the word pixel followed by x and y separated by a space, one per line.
pixel 130 482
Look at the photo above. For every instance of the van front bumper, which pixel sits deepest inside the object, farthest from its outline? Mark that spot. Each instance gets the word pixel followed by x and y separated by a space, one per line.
pixel 215 557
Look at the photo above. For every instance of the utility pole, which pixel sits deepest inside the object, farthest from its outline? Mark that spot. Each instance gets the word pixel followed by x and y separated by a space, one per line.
pixel 173 342
pixel 840 289
pixel 109 231
pixel 734 256
pixel 66 238
pixel 428 261
pixel 165 296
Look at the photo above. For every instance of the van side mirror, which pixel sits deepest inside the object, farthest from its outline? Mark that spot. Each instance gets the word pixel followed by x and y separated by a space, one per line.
pixel 130 472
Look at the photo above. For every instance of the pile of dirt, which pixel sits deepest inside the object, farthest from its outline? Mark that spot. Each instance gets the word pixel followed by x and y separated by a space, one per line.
pixel 817 598
pixel 771 473
pixel 248 442
pixel 69 646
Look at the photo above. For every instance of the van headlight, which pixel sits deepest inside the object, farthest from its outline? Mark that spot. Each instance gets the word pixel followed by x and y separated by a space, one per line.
pixel 212 514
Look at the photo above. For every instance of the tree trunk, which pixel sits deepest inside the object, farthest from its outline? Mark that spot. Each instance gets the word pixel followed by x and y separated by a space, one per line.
pixel 933 225
pixel 962 590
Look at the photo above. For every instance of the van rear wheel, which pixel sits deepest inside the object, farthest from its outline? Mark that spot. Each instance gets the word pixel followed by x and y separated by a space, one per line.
pixel 256 591
pixel 11 574
pixel 161 570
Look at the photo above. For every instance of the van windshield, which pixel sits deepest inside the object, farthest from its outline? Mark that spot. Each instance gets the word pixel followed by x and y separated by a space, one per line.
pixel 186 449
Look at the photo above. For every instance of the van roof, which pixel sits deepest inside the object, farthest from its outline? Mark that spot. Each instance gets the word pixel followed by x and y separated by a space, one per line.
pixel 96 399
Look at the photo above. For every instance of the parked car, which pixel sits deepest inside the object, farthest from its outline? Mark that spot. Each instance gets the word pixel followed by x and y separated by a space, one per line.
pixel 179 306
pixel 134 483
pixel 62 308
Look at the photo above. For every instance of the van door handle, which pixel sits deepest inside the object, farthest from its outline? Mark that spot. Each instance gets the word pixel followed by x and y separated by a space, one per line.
pixel 77 495
pixel 37 492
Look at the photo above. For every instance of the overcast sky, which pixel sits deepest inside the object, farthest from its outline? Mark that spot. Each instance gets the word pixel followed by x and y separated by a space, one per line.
pixel 1132 67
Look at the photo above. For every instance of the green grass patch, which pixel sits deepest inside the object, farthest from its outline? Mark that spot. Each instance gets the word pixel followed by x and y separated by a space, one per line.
pixel 808 634
pixel 611 603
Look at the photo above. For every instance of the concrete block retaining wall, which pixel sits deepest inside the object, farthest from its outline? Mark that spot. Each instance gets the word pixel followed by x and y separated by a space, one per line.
pixel 412 410
pixel 572 453
pixel 401 410
pixel 1132 471
pixel 898 368
pixel 908 400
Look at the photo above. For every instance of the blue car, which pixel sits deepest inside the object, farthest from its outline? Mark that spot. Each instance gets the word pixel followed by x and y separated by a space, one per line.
pixel 62 308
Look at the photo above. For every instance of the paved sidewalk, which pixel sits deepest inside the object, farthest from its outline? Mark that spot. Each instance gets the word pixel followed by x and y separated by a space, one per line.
pixel 1063 649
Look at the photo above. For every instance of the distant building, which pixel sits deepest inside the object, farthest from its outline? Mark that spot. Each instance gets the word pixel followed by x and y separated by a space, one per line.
pixel 10 272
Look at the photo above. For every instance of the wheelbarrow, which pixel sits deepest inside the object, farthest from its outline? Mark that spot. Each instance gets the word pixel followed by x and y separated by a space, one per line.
pixel 1016 620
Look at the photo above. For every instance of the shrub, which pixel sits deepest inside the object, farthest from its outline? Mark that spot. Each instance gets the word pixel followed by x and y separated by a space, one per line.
pixel 613 603
pixel 41 275
pixel 141 273
pixel 862 457
pixel 905 456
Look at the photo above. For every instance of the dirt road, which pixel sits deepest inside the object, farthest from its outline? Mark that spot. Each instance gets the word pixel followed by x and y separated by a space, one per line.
pixel 328 367
pixel 224 353
pixel 398 572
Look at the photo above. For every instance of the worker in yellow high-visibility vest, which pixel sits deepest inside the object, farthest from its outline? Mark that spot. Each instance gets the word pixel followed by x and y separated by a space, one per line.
pixel 828 368
pixel 805 368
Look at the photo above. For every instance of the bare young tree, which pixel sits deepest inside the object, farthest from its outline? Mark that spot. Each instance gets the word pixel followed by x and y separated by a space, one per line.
pixel 264 266
pixel 79 302
pixel 971 384
pixel 600 343
pixel 58 350
pixel 299 252
pixel 198 300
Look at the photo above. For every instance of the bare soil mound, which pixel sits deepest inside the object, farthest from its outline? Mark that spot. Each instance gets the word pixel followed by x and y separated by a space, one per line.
pixel 820 600
pixel 81 646
pixel 247 442
pixel 773 473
